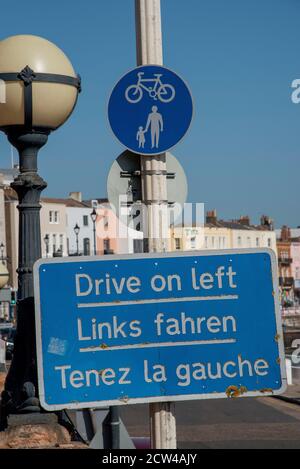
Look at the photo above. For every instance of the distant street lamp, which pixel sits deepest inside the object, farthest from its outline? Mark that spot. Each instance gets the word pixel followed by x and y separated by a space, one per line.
pixel 46 241
pixel 2 252
pixel 94 219
pixel 41 90
pixel 76 231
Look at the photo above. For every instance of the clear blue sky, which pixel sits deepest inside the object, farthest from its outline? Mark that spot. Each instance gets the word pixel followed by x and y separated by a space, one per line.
pixel 242 153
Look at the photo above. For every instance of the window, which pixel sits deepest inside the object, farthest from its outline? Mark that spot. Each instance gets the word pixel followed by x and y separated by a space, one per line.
pixel 177 243
pixel 85 220
pixel 239 240
pixel 213 242
pixel 248 241
pixel 86 247
pixel 206 242
pixel 257 242
pixel 269 242
pixel 193 243
pixel 106 244
pixel 53 216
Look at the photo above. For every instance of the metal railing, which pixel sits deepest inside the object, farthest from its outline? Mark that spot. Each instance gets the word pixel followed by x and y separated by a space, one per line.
pixel 286 281
pixel 285 260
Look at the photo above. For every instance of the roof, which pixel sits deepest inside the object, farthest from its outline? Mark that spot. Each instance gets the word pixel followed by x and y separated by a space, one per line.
pixel 295 232
pixel 231 225
pixel 67 202
pixel 100 201
pixel 236 225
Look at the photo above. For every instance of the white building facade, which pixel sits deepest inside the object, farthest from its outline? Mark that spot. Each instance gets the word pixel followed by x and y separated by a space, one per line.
pixel 220 234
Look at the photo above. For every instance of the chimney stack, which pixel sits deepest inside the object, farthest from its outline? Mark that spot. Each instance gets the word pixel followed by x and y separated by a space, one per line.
pixel 267 222
pixel 211 217
pixel 76 196
pixel 285 233
pixel 244 220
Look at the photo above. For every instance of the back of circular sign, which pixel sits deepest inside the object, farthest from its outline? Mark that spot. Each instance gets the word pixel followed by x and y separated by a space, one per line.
pixel 124 188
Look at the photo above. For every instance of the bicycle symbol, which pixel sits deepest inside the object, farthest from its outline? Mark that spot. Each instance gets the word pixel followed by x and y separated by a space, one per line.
pixel 164 92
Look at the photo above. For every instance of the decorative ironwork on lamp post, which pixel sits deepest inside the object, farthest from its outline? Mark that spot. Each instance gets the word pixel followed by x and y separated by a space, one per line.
pixel 94 219
pixel 41 90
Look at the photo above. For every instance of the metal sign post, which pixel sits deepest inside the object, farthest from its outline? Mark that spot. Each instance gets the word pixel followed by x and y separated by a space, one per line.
pixel 124 189
pixel 154 187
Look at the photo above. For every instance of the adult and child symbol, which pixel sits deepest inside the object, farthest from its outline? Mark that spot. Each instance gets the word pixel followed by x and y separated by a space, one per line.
pixel 156 124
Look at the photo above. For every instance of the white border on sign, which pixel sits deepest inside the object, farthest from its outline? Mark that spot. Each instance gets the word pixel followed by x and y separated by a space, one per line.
pixel 173 146
pixel 144 400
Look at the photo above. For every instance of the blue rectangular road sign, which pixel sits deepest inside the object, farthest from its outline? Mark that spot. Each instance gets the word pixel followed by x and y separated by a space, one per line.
pixel 163 327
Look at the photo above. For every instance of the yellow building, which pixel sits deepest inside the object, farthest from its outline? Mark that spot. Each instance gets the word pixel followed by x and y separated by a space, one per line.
pixel 199 237
pixel 220 234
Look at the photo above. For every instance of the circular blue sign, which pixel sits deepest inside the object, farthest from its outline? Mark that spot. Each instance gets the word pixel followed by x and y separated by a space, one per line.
pixel 150 110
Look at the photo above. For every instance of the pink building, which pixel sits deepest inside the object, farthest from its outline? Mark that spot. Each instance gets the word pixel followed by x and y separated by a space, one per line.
pixel 295 266
pixel 106 230
pixel 112 237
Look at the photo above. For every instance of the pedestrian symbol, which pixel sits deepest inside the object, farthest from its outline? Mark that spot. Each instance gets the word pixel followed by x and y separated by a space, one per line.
pixel 155 122
pixel 150 110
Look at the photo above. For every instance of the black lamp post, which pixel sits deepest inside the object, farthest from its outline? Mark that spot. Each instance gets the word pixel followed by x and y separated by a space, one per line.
pixel 76 231
pixel 46 241
pixel 94 219
pixel 41 90
pixel 2 252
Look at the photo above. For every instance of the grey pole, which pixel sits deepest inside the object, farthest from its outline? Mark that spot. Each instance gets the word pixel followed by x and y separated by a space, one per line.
pixel 114 422
pixel 154 192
